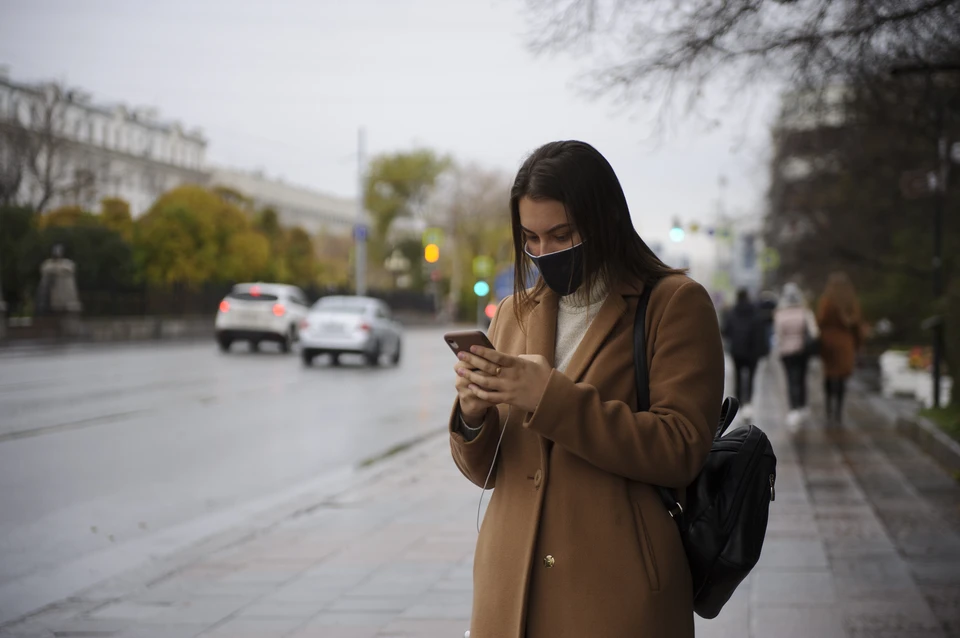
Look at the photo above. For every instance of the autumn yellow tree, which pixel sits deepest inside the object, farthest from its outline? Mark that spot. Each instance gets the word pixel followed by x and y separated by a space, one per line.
pixel 66 216
pixel 115 215
pixel 192 235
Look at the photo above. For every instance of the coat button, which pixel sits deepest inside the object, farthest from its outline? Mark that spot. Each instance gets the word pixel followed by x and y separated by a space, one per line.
pixel 548 561
pixel 537 478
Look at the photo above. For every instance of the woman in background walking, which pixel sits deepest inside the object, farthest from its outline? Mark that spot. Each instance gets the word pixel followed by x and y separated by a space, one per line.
pixel 795 329
pixel 838 316
pixel 745 334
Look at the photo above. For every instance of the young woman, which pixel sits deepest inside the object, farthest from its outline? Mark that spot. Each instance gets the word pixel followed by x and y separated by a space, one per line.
pixel 794 326
pixel 838 316
pixel 576 541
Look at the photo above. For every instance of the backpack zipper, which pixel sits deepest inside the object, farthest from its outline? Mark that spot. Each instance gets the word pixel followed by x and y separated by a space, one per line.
pixel 773 491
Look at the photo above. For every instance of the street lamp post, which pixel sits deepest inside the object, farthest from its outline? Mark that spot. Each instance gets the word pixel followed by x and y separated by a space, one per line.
pixel 940 196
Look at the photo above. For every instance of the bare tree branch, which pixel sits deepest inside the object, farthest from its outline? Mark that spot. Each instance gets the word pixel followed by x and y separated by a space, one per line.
pixel 38 151
pixel 636 43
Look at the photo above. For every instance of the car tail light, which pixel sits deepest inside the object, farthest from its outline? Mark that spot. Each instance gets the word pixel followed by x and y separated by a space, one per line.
pixel 224 306
pixel 279 310
pixel 365 327
pixel 255 291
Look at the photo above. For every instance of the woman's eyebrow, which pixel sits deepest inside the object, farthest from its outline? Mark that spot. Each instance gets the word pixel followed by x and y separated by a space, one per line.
pixel 548 231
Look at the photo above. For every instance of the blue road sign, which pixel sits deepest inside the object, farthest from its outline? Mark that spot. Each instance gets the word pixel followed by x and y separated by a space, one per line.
pixel 360 232
pixel 503 282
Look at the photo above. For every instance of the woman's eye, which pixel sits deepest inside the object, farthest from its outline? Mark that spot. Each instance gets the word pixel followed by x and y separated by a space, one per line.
pixel 562 238
pixel 532 239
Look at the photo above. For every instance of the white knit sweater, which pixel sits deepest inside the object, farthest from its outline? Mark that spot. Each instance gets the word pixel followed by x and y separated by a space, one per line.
pixel 574 317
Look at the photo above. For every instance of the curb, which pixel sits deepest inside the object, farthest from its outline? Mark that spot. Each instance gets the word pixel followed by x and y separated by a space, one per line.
pixel 922 432
pixel 933 441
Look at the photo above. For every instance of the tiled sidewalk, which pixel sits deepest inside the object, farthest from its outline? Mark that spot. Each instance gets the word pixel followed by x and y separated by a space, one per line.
pixel 392 556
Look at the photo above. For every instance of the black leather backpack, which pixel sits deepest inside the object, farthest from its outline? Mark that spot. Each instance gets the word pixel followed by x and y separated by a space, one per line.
pixel 724 519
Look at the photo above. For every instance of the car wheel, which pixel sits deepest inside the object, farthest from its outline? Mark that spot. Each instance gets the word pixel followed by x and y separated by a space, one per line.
pixel 307 357
pixel 224 343
pixel 285 343
pixel 254 346
pixel 373 358
pixel 334 359
pixel 395 359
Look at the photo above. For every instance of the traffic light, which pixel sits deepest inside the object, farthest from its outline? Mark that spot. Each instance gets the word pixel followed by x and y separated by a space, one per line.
pixel 677 233
pixel 481 288
pixel 431 253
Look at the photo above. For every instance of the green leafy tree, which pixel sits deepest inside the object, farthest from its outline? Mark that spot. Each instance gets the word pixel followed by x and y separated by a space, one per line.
pixel 836 201
pixel 68 216
pixel 246 257
pixel 334 261
pixel 398 185
pixel 268 224
pixel 300 256
pixel 185 235
pixel 18 230
pixel 115 215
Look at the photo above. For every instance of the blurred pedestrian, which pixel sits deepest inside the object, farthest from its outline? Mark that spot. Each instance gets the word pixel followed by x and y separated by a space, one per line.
pixel 767 306
pixel 576 541
pixel 745 334
pixel 839 319
pixel 795 330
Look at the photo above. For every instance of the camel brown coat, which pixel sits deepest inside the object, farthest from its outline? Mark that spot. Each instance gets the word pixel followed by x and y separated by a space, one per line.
pixel 575 542
pixel 839 341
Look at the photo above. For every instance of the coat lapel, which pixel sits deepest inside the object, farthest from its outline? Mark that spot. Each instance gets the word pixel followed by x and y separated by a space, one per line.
pixel 542 327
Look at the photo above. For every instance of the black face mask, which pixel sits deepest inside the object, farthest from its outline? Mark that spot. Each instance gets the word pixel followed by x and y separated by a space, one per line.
pixel 563 270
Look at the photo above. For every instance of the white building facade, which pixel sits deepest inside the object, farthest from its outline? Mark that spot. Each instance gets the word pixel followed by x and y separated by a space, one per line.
pixel 70 151
pixel 315 212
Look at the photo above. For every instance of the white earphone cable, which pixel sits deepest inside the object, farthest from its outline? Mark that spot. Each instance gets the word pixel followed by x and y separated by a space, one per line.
pixel 490 471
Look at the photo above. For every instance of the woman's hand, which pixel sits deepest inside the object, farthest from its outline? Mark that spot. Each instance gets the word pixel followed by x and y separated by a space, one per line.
pixel 497 378
pixel 472 408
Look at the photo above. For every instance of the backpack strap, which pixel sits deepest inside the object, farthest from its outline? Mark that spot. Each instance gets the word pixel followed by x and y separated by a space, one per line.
pixel 642 377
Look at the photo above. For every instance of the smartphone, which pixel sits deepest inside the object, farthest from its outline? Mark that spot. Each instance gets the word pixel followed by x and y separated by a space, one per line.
pixel 462 341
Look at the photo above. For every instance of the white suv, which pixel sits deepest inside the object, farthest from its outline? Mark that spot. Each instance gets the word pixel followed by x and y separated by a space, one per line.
pixel 261 312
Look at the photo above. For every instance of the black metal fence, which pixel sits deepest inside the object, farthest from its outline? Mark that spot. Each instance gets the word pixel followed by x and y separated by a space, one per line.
pixel 183 301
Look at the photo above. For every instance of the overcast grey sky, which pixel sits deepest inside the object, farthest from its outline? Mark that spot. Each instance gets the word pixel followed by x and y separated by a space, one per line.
pixel 284 85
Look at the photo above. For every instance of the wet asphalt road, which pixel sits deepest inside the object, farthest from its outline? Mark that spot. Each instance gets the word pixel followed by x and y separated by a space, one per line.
pixel 102 446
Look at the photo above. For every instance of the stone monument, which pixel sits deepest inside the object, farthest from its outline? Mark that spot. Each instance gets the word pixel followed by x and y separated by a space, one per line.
pixel 57 295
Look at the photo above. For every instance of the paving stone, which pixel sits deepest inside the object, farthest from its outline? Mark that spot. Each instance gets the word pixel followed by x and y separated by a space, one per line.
pixel 424 629
pixel 271 608
pixel 799 588
pixel 797 622
pixel 366 619
pixel 793 553
pixel 254 628
pixel 395 604
pixel 201 609
pixel 326 631
pixel 165 631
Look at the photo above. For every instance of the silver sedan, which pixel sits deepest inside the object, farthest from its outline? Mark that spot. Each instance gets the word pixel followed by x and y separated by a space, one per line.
pixel 339 325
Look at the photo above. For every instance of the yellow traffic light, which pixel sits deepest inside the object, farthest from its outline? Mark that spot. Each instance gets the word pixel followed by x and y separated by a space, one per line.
pixel 431 252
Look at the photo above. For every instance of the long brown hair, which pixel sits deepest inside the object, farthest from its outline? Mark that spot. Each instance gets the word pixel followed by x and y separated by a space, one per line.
pixel 842 295
pixel 579 177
